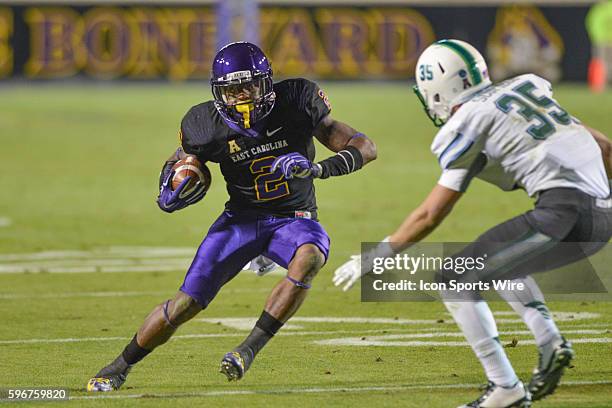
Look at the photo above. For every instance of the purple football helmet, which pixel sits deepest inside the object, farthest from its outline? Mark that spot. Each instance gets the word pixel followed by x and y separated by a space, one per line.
pixel 242 84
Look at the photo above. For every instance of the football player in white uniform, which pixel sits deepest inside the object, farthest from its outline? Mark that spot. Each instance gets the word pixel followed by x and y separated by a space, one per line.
pixel 514 135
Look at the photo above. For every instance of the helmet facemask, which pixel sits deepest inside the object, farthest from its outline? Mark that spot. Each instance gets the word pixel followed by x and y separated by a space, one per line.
pixel 244 99
pixel 438 113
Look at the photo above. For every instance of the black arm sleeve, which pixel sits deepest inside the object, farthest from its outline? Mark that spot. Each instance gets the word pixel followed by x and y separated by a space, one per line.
pixel 344 162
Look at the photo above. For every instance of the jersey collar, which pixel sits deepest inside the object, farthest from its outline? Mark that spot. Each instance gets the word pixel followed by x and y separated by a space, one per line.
pixel 254 131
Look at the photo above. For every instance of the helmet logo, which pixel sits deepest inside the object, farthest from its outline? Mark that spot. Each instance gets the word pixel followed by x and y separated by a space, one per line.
pixel 238 75
pixel 466 81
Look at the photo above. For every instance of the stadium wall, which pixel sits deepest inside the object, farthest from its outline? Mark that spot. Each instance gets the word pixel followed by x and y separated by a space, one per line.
pixel 332 40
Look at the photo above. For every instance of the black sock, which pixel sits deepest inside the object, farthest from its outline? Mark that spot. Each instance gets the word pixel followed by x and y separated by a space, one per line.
pixel 265 328
pixel 133 353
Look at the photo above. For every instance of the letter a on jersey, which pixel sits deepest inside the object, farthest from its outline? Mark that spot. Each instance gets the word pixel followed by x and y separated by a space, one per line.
pixel 233 146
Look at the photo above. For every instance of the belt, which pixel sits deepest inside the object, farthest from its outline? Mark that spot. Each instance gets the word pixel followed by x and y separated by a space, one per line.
pixel 309 215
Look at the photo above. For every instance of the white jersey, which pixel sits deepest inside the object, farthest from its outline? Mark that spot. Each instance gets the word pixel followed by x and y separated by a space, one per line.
pixel 515 135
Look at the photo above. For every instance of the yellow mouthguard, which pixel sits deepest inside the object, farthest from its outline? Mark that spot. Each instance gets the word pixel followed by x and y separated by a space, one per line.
pixel 245 109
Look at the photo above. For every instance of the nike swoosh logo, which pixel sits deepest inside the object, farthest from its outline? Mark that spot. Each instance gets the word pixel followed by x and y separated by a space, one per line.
pixel 268 133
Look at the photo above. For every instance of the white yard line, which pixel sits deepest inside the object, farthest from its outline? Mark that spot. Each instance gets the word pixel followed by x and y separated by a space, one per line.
pixel 63 295
pixel 361 341
pixel 246 323
pixel 384 342
pixel 5 222
pixel 104 268
pixel 101 252
pixel 168 293
pixel 191 336
pixel 112 259
pixel 321 390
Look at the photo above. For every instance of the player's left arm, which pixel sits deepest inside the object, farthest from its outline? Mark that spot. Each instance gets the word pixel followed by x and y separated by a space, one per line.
pixel 353 151
pixel 338 137
pixel 459 149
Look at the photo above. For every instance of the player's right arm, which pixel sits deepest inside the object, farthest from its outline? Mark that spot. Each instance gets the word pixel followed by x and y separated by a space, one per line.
pixel 606 148
pixel 169 199
pixel 177 155
pixel 191 137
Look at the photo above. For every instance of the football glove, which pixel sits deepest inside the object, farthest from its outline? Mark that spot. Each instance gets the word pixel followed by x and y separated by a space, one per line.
pixel 170 201
pixel 296 165
pixel 351 271
pixel 261 265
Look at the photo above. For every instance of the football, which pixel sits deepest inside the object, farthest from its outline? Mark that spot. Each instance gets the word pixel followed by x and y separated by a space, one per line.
pixel 190 166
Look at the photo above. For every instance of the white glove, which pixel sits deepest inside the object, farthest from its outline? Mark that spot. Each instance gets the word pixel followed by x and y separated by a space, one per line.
pixel 261 265
pixel 350 272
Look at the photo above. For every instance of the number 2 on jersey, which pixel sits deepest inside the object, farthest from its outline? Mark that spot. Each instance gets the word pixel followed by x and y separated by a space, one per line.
pixel 268 185
pixel 530 109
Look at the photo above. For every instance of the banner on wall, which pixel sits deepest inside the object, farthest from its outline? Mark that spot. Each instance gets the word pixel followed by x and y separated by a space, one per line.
pixel 178 43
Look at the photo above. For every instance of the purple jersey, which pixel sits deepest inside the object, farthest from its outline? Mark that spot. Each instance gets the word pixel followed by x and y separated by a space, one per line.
pixel 245 156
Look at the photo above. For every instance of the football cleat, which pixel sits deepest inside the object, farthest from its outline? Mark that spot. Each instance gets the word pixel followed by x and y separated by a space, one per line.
pixel 233 366
pixel 496 396
pixel 107 383
pixel 111 377
pixel 554 357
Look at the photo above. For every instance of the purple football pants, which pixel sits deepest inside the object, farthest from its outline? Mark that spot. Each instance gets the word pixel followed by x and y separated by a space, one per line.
pixel 234 239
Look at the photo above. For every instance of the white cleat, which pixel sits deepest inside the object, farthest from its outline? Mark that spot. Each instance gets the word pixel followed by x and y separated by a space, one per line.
pixel 495 396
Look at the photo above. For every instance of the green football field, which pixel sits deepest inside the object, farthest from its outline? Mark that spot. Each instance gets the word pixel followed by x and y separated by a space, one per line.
pixel 85 254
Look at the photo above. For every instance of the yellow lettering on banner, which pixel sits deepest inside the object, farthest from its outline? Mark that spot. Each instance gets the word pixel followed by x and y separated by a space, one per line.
pixel 269 27
pixel 108 42
pixel 297 48
pixel 347 39
pixel 56 48
pixel 201 38
pixel 144 55
pixel 180 42
pixel 402 35
pixel 178 29
pixel 6 51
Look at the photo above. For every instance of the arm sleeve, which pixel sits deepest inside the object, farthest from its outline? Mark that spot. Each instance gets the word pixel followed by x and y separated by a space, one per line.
pixel 313 101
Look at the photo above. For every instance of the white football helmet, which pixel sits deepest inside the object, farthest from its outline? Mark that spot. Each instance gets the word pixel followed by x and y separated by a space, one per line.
pixel 447 74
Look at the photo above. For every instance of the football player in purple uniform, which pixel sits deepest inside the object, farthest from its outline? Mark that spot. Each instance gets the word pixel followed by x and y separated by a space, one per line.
pixel 261 134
